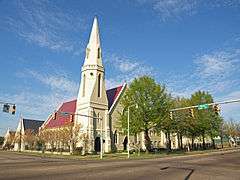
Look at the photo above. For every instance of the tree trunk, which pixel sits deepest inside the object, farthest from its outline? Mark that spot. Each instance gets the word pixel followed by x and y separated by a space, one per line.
pixel 71 148
pixel 221 139
pixel 178 138
pixel 204 145
pixel 43 148
pixel 192 143
pixel 168 137
pixel 147 141
pixel 181 143
pixel 213 144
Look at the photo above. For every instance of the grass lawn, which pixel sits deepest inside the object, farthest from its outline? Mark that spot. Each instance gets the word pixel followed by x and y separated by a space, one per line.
pixel 123 156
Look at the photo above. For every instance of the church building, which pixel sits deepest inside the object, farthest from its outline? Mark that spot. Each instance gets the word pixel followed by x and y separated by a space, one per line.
pixel 95 108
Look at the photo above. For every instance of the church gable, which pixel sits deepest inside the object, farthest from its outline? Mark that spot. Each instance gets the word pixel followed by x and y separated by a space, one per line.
pixel 114 95
pixel 32 125
pixel 61 120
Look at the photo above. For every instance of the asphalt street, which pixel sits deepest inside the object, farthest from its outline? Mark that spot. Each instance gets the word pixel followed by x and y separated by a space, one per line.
pixel 212 166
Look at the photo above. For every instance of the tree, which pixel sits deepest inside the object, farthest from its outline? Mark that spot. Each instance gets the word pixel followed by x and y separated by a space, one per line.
pixel 69 136
pixel 215 127
pixel 180 119
pixel 60 137
pixel 206 122
pixel 231 130
pixel 153 106
pixel 47 137
pixel 29 138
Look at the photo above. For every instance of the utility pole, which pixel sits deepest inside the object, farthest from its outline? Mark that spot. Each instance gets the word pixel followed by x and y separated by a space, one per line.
pixel 222 135
pixel 20 138
pixel 101 150
pixel 128 134
pixel 128 140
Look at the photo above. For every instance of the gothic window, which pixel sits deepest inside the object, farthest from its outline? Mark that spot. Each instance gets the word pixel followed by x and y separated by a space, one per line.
pixel 115 137
pixel 99 85
pixel 99 53
pixel 99 121
pixel 84 84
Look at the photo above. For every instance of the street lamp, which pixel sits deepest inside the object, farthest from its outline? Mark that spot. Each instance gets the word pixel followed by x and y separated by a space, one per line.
pixel 128 147
pixel 101 146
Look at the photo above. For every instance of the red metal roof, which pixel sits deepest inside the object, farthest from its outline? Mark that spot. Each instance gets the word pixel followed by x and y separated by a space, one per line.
pixel 70 107
pixel 61 119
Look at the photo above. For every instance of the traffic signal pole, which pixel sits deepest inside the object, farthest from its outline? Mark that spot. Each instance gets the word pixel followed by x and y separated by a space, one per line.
pixel 209 104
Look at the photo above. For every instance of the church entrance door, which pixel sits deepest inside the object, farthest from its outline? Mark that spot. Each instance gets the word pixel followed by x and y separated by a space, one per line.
pixel 97 144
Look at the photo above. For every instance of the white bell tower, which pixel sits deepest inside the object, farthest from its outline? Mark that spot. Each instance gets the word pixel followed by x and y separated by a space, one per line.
pixel 92 97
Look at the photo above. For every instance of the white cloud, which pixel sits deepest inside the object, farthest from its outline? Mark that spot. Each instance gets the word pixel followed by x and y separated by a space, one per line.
pixel 217 72
pixel 111 83
pixel 56 88
pixel 57 82
pixel 231 111
pixel 176 9
pixel 35 105
pixel 44 23
pixel 125 69
pixel 219 63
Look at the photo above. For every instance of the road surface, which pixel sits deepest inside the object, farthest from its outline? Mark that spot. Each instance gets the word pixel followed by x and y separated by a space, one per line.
pixel 213 166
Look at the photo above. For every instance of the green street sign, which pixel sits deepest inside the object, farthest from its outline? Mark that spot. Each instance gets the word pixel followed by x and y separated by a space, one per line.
pixel 203 106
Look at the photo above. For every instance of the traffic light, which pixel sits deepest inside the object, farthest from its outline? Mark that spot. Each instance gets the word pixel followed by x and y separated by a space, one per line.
pixel 191 113
pixel 71 117
pixel 13 109
pixel 171 115
pixel 6 108
pixel 216 109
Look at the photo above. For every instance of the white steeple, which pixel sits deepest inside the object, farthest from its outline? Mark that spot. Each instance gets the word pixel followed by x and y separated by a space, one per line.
pixel 92 97
pixel 93 50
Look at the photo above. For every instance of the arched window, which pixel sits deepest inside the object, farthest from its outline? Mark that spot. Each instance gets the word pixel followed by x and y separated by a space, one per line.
pixel 115 137
pixel 98 120
pixel 99 85
pixel 99 53
pixel 84 82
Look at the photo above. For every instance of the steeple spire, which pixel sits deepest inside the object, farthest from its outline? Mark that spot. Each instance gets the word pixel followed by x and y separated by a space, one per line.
pixel 94 37
pixel 93 51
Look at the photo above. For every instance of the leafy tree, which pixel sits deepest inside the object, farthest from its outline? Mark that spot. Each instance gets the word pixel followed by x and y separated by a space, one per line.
pixel 153 106
pixel 29 138
pixel 60 137
pixel 231 130
pixel 205 121
pixel 215 128
pixel 180 119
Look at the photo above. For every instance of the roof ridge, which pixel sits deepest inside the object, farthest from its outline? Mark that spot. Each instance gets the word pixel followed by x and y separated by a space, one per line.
pixel 115 87
pixel 32 120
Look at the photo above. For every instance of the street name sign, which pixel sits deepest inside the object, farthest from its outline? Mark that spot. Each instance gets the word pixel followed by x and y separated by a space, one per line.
pixel 203 106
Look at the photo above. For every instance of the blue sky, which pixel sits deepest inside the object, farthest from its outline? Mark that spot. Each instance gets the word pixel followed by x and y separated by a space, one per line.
pixel 188 45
